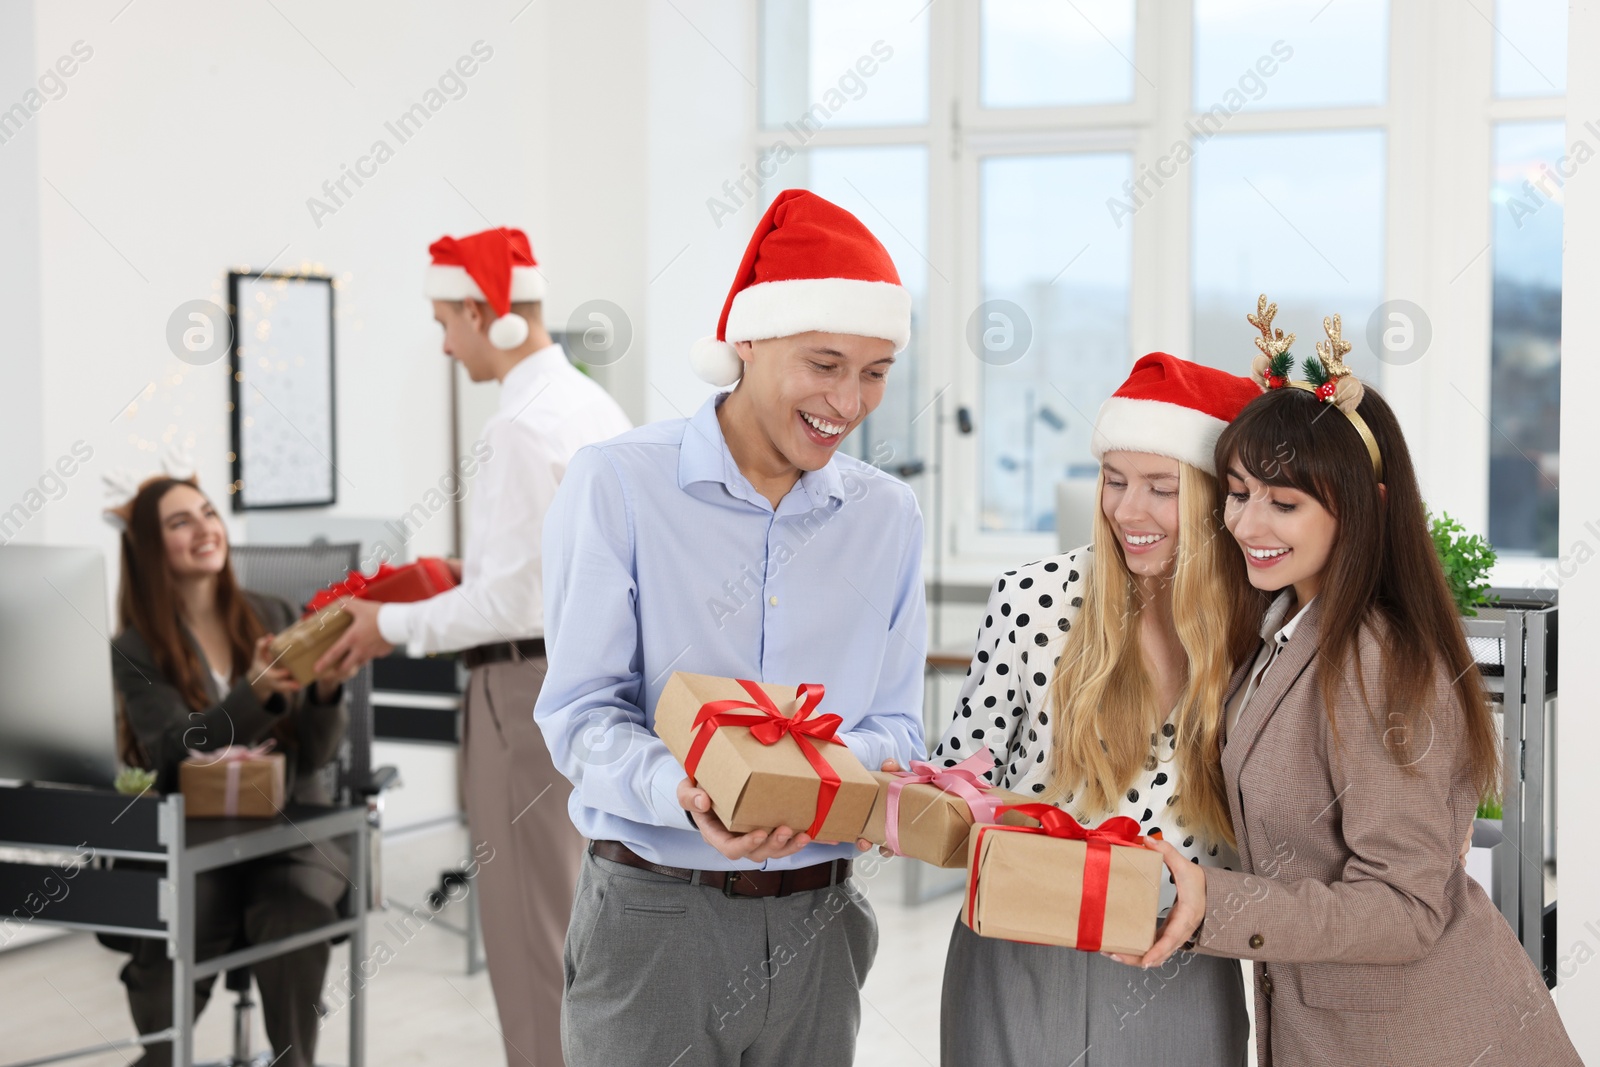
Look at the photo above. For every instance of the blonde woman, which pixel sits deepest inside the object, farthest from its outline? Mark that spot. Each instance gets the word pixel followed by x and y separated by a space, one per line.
pixel 1097 685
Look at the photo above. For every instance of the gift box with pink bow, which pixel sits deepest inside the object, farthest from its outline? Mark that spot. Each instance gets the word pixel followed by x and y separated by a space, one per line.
pixel 765 755
pixel 236 782
pixel 927 812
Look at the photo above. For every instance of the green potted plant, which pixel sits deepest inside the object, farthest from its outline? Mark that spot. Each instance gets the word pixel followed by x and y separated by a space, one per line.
pixel 1467 559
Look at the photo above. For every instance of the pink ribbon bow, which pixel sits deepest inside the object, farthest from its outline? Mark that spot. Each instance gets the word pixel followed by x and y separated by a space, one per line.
pixel 965 780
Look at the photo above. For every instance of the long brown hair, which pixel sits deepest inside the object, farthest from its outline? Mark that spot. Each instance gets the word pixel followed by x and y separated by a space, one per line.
pixel 1383 567
pixel 1105 702
pixel 148 604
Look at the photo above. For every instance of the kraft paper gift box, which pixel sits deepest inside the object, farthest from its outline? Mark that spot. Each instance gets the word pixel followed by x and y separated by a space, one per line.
pixel 927 813
pixel 232 783
pixel 302 644
pixel 1064 884
pixel 764 757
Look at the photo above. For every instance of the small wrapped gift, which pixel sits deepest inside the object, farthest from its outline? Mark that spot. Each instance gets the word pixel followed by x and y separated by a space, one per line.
pixel 1064 884
pixel 927 812
pixel 763 757
pixel 302 644
pixel 236 782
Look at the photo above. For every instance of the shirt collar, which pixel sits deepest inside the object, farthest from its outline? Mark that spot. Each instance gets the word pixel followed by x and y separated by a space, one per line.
pixel 527 379
pixel 1273 626
pixel 704 457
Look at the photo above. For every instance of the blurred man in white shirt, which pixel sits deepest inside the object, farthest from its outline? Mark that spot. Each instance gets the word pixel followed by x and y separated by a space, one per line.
pixel 487 292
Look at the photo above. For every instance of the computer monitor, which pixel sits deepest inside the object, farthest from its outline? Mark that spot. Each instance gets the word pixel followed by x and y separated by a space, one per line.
pixel 57 712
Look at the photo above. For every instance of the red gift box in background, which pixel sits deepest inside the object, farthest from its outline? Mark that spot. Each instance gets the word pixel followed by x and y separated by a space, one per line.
pixel 301 645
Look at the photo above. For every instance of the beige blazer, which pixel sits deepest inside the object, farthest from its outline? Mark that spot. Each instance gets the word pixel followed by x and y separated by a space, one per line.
pixel 1372 945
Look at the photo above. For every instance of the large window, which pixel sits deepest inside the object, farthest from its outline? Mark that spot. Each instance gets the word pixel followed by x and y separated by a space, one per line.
pixel 1065 186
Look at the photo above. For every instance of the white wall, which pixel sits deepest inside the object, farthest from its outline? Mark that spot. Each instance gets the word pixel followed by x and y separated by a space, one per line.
pixel 192 138
pixel 22 429
pixel 1578 929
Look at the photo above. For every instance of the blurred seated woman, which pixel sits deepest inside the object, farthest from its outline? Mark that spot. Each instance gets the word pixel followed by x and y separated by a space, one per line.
pixel 193 672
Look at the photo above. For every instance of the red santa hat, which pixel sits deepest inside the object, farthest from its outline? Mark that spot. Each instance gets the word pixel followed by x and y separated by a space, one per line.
pixel 1171 407
pixel 496 267
pixel 810 265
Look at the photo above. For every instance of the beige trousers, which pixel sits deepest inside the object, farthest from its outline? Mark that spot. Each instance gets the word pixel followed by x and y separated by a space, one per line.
pixel 517 805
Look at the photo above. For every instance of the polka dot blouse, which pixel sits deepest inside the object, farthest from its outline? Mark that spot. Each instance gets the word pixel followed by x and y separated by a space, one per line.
pixel 1005 705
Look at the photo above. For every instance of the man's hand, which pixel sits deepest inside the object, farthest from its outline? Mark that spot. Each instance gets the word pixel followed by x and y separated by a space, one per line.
pixel 454 566
pixel 757 846
pixel 360 643
pixel 862 844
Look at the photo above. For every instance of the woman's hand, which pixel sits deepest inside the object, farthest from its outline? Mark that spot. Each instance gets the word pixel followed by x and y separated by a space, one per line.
pixel 329 681
pixel 267 676
pixel 1184 918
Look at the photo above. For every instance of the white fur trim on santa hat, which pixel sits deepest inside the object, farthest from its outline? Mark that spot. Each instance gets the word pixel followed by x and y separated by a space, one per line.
pixel 454 283
pixel 1129 425
pixel 831 305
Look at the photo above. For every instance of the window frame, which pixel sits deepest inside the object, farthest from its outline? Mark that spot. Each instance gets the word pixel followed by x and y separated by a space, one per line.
pixel 1437 123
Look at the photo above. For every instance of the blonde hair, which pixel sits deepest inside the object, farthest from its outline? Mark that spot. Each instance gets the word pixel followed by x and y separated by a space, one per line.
pixel 1104 699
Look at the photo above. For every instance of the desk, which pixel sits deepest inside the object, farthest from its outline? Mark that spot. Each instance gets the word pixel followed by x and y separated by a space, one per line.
pixel 94 825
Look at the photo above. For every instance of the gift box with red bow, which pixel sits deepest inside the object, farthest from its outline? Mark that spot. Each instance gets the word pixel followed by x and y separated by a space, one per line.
pixel 764 756
pixel 237 782
pixel 302 644
pixel 1061 883
pixel 927 812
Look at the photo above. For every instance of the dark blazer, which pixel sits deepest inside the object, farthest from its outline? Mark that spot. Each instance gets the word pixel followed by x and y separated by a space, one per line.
pixel 1373 946
pixel 167 729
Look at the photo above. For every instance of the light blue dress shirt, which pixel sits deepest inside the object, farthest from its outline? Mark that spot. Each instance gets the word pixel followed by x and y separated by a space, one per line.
pixel 660 556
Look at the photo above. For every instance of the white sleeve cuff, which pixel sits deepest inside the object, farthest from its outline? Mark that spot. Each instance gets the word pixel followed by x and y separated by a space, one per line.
pixel 394 623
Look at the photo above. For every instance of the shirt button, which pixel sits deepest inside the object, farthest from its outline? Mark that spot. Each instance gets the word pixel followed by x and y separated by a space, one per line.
pixel 1256 941
pixel 772 600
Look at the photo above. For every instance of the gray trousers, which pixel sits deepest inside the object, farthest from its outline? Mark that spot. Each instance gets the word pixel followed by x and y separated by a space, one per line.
pixel 663 972
pixel 1045 1006
pixel 517 805
pixel 263 900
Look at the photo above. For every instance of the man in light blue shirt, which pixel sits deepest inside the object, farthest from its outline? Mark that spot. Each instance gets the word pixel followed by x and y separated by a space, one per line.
pixel 736 543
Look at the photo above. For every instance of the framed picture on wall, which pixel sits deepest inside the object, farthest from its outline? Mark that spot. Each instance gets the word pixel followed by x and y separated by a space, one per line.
pixel 282 409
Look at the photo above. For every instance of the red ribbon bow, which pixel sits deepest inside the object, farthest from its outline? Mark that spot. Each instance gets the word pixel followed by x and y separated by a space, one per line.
pixel 769 728
pixel 1118 830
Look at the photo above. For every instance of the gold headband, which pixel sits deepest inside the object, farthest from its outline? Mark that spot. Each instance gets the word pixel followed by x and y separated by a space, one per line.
pixel 1330 380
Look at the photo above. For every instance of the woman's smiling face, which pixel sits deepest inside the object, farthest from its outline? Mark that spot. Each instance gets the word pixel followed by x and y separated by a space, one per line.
pixel 1286 535
pixel 1139 496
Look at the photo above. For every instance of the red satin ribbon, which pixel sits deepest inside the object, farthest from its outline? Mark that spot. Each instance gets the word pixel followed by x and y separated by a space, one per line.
pixel 1118 830
pixel 353 586
pixel 769 728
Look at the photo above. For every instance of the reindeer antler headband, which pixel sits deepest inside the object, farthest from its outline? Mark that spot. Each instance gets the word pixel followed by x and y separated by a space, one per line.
pixel 1328 379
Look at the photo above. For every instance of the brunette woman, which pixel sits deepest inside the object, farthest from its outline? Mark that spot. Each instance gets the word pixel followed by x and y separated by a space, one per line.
pixel 1357 745
pixel 193 673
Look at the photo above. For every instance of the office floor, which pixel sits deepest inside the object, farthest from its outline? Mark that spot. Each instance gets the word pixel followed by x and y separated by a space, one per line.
pixel 63 993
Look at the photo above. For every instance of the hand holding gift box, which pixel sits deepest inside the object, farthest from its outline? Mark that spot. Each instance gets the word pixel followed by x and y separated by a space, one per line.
pixel 325 620
pixel 1064 884
pixel 927 812
pixel 764 759
pixel 236 782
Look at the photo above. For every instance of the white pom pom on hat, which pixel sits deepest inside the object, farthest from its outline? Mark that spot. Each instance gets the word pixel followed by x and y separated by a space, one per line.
pixel 508 331
pixel 716 362
pixel 810 265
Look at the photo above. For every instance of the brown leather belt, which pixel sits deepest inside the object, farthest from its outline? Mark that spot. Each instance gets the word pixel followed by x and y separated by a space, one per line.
pixel 734 883
pixel 529 648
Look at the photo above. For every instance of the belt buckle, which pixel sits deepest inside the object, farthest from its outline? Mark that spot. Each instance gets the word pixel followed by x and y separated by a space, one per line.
pixel 729 882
